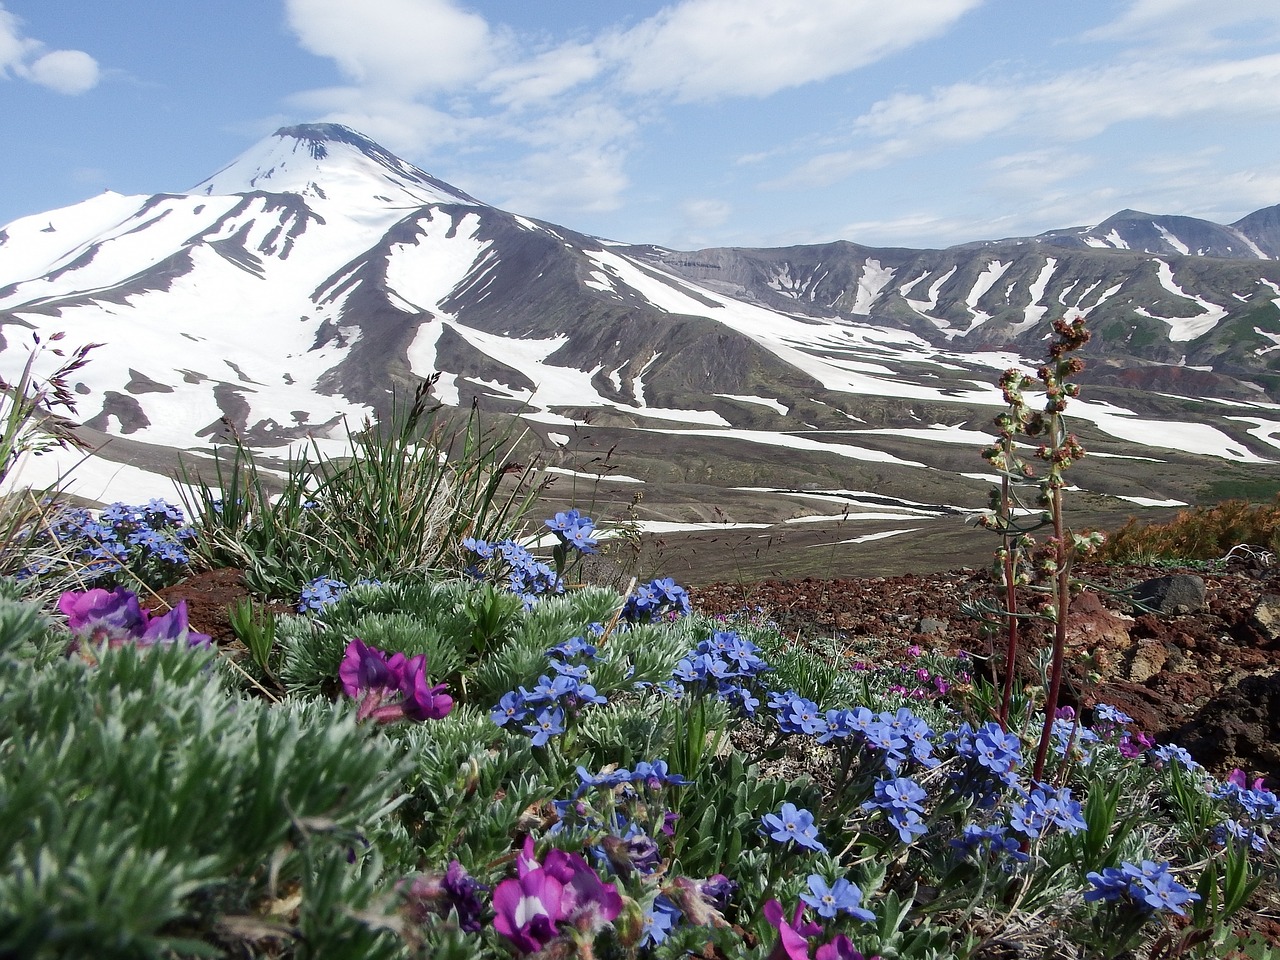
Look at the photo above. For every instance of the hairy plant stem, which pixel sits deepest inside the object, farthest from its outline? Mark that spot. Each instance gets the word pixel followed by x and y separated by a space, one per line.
pixel 1010 596
pixel 1062 601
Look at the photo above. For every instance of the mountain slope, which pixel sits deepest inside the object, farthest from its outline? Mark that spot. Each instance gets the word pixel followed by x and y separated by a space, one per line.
pixel 317 276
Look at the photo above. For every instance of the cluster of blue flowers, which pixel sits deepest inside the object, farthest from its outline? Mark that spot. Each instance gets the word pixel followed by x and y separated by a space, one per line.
pixel 149 539
pixel 1149 887
pixel 1045 806
pixel 1258 809
pixel 898 737
pixel 320 593
pixel 991 757
pixel 656 599
pixel 724 665
pixel 993 843
pixel 519 570
pixel 552 698
pixel 325 591
pixel 574 530
pixel 902 801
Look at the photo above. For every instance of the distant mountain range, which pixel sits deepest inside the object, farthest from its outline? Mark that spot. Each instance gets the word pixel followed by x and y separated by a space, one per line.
pixel 318 275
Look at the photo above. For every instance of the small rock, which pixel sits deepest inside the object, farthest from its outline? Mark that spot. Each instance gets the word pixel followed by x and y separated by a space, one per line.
pixel 931 626
pixel 1149 658
pixel 1172 595
pixel 1092 626
pixel 1267 616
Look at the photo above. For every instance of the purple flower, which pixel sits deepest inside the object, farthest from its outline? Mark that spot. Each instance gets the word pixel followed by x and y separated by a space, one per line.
pixel 421 700
pixel 793 937
pixel 456 890
pixel 99 615
pixel 114 617
pixel 527 908
pixel 839 947
pixel 561 889
pixel 373 677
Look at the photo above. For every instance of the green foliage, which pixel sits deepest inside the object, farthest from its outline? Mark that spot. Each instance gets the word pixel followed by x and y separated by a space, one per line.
pixel 143 807
pixel 256 629
pixel 400 503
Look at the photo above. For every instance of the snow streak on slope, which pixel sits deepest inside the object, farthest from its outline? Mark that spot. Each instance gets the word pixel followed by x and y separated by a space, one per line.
pixel 986 280
pixel 32 245
pixel 1185 328
pixel 1034 312
pixel 428 270
pixel 871 282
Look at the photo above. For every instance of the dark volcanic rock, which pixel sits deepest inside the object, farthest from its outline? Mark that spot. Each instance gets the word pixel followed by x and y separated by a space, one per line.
pixel 1239 728
pixel 1172 595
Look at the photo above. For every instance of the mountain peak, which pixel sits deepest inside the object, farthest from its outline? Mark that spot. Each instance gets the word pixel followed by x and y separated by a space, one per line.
pixel 329 161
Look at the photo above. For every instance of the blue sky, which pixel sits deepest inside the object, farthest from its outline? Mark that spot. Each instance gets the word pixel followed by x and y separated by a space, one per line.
pixel 688 123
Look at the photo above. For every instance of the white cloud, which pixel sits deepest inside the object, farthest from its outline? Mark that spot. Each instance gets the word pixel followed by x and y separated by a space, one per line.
pixel 1193 24
pixel 546 76
pixel 66 71
pixel 548 127
pixel 408 46
pixel 1075 105
pixel 707 49
pixel 706 213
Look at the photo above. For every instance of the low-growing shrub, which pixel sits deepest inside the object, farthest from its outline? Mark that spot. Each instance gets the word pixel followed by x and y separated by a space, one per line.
pixel 1200 533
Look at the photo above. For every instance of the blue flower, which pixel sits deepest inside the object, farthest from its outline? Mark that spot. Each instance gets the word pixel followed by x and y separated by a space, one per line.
pixel 791 823
pixel 546 725
pixel 841 896
pixel 659 919
pixel 1148 887
pixel 510 708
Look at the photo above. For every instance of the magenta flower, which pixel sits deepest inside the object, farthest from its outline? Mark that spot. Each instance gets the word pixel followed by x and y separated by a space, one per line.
pixel 172 627
pixel 527 909
pixel 391 687
pixel 363 668
pixel 114 617
pixel 839 947
pixel 561 889
pixel 793 937
pixel 98 615
pixel 421 700
pixel 1241 780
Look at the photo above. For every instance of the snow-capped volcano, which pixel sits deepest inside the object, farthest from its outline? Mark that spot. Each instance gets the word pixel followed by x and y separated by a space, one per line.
pixel 318 275
pixel 327 161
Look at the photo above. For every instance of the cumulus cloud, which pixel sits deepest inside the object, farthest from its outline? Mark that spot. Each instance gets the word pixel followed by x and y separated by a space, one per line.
pixel 708 49
pixel 1192 24
pixel 411 46
pixel 429 74
pixel 66 71
pixel 1072 106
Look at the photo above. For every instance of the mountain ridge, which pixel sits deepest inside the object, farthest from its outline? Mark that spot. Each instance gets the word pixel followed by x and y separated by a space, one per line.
pixel 279 313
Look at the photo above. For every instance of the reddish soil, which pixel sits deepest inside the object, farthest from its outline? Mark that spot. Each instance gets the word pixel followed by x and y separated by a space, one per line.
pixel 1208 680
